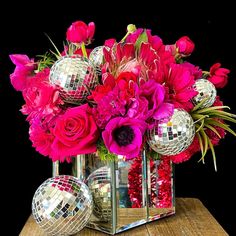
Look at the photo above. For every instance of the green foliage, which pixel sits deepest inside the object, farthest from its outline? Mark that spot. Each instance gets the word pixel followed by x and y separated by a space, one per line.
pixel 104 153
pixel 210 118
pixel 143 38
pixel 46 60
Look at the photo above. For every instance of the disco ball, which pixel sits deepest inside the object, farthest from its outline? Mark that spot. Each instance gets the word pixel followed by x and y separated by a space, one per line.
pixel 75 77
pixel 99 183
pixel 170 137
pixel 62 205
pixel 96 57
pixel 206 90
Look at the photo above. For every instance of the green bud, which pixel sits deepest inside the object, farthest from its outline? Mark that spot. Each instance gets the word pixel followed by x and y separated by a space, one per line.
pixel 131 28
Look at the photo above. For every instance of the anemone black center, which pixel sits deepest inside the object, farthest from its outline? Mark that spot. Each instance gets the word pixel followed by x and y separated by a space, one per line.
pixel 123 135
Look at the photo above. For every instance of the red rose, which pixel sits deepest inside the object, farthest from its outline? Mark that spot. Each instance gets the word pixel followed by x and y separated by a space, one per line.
pixel 218 76
pixel 75 132
pixel 185 45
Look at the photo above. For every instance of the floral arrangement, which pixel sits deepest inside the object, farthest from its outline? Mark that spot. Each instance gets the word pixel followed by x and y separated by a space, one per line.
pixel 120 92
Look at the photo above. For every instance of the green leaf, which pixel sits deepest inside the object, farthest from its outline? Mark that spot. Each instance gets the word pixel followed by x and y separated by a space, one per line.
pixel 143 38
pixel 199 105
pixel 197 117
pixel 213 153
pixel 221 125
pixel 201 146
pixel 58 52
pixel 104 153
pixel 213 129
pixel 223 112
pixel 205 143
pixel 223 117
pixel 46 60
pixel 200 126
pixel 208 109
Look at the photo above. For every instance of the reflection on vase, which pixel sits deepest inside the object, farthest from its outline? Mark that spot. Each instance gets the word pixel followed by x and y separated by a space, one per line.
pixel 126 193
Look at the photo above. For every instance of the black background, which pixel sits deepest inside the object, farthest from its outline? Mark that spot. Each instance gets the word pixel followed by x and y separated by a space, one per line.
pixel 22 31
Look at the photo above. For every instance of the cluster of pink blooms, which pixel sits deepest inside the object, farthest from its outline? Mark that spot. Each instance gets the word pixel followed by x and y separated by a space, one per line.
pixel 142 81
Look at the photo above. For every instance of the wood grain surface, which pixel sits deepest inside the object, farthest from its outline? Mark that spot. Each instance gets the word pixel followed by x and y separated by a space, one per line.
pixel 191 218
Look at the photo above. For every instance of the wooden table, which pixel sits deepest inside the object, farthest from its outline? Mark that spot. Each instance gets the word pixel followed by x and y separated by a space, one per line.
pixel 191 218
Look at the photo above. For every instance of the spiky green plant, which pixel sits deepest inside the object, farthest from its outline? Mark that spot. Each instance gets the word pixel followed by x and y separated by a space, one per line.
pixel 46 60
pixel 209 118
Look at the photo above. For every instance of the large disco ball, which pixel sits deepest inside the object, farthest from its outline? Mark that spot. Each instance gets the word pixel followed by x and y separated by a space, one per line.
pixel 62 205
pixel 75 77
pixel 206 90
pixel 170 137
pixel 99 183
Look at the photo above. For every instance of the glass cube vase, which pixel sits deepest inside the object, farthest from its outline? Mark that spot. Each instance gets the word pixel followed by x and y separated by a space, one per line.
pixel 126 193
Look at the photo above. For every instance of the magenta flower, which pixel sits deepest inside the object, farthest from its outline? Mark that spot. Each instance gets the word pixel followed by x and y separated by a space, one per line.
pixel 23 71
pixel 41 137
pixel 218 76
pixel 179 82
pixel 75 132
pixel 79 32
pixel 123 136
pixel 195 70
pixel 155 96
pixel 154 40
pixel 40 96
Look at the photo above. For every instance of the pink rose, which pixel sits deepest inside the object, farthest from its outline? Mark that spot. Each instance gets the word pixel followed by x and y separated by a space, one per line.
pixel 75 133
pixel 185 45
pixel 218 76
pixel 79 32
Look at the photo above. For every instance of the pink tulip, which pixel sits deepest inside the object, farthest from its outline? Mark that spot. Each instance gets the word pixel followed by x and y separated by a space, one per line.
pixel 79 32
pixel 218 75
pixel 185 45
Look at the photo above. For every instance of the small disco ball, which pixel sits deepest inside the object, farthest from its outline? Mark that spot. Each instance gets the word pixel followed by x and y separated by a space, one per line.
pixel 206 90
pixel 96 57
pixel 173 136
pixel 99 183
pixel 62 205
pixel 75 77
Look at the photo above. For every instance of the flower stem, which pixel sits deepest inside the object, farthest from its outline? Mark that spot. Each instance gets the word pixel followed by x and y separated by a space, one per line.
pixel 84 50
pixel 130 29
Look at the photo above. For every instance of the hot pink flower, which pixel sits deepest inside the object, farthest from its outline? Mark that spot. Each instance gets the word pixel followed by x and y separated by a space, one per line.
pixel 154 40
pixel 23 71
pixel 123 136
pixel 41 137
pixel 79 32
pixel 109 106
pixel 195 70
pixel 179 82
pixel 109 43
pixel 185 46
pixel 218 76
pixel 75 132
pixel 155 95
pixel 40 96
